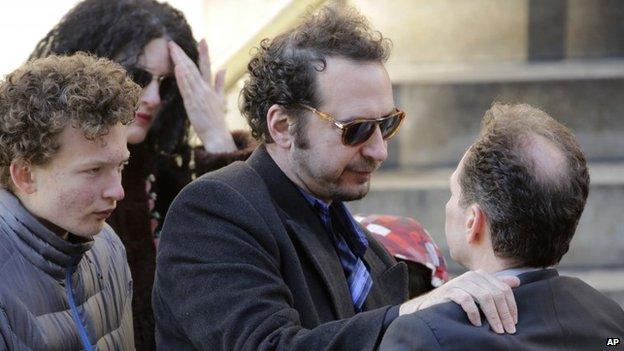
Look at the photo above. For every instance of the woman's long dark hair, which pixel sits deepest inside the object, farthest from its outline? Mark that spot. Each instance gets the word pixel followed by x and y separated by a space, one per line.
pixel 120 30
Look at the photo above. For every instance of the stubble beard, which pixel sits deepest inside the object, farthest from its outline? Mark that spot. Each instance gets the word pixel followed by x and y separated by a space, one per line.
pixel 331 187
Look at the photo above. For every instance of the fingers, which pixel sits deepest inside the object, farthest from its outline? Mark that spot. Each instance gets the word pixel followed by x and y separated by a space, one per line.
pixel 505 284
pixel 488 303
pixel 465 300
pixel 205 68
pixel 494 297
pixel 190 81
pixel 204 104
pixel 204 61
pixel 493 302
pixel 412 305
pixel 184 65
pixel 178 56
pixel 183 85
pixel 220 82
pixel 511 281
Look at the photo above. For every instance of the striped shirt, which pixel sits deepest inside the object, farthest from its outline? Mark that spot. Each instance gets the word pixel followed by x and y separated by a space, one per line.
pixel 351 254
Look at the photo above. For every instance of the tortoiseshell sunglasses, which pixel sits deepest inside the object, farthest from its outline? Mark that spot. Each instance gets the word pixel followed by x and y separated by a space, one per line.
pixel 357 131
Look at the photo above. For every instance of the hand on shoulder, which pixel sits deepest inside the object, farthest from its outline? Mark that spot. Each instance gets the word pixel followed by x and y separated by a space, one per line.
pixel 492 294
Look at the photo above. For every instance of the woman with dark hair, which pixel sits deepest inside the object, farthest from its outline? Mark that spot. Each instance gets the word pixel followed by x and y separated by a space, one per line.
pixel 155 44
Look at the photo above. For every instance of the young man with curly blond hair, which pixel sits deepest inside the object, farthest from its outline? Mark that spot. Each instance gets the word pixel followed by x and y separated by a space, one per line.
pixel 65 279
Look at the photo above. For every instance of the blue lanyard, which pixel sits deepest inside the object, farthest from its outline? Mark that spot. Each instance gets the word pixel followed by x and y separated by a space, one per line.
pixel 82 332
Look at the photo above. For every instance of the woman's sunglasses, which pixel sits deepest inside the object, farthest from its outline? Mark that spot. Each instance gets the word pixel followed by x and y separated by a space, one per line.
pixel 143 78
pixel 357 131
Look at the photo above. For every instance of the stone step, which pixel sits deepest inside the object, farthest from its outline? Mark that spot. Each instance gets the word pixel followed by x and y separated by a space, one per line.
pixel 599 240
pixel 402 73
pixel 443 119
pixel 485 31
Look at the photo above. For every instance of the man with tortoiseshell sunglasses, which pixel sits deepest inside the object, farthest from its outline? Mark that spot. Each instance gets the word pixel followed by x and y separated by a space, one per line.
pixel 263 254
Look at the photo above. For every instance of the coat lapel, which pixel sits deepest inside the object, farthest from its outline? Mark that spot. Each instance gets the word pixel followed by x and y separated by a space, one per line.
pixel 320 251
pixel 390 284
pixel 305 229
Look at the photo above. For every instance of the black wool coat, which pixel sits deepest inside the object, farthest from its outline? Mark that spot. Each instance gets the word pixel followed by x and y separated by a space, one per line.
pixel 554 313
pixel 245 264
pixel 131 219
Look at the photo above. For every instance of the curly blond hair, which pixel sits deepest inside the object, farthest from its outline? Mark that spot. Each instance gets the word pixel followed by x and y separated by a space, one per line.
pixel 44 96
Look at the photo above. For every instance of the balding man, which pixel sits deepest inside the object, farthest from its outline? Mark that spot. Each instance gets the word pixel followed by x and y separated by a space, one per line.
pixel 516 198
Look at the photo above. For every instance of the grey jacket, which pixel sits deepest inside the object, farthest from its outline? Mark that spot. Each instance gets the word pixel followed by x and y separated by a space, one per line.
pixel 58 295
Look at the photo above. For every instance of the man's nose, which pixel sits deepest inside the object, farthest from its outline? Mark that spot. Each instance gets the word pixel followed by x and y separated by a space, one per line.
pixel 114 190
pixel 375 147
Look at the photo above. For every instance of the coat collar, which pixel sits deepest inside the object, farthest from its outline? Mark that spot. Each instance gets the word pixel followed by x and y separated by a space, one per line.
pixel 305 228
pixel 40 246
pixel 534 276
pixel 283 191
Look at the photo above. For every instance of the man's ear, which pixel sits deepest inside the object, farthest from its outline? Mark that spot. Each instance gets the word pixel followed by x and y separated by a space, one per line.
pixel 22 176
pixel 277 124
pixel 475 224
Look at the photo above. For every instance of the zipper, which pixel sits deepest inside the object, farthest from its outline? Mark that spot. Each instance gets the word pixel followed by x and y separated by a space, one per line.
pixel 82 331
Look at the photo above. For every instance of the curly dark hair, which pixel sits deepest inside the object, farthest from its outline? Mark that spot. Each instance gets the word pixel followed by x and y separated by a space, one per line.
pixel 42 97
pixel 529 175
pixel 119 30
pixel 283 70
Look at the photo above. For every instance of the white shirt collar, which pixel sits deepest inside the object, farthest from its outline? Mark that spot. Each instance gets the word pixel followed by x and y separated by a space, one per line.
pixel 515 271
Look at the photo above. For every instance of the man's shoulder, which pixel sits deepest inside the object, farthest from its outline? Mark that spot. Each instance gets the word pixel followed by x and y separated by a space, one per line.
pixel 536 302
pixel 233 177
pixel 7 249
pixel 446 326
pixel 235 171
pixel 569 294
pixel 235 195
pixel 440 327
pixel 7 264
pixel 228 187
pixel 7 237
pixel 575 297
pixel 422 330
pixel 447 315
pixel 12 262
pixel 552 312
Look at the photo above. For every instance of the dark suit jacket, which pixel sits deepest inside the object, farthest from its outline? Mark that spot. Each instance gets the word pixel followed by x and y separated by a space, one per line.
pixel 554 313
pixel 244 263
